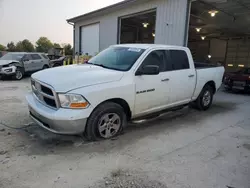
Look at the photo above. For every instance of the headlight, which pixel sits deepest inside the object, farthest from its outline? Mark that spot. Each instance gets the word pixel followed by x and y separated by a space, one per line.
pixel 72 101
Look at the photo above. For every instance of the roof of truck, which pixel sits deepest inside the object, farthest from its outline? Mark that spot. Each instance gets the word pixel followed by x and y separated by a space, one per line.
pixel 147 46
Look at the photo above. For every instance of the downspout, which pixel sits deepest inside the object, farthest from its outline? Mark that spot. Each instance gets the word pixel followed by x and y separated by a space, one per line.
pixel 73 37
pixel 188 11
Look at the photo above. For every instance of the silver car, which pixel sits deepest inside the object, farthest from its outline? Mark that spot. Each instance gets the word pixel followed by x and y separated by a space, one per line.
pixel 17 64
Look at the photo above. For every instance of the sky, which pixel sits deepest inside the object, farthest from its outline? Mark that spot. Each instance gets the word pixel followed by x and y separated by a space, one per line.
pixel 31 19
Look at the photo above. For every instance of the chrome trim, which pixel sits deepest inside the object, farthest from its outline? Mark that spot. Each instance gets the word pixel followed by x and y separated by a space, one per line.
pixel 36 88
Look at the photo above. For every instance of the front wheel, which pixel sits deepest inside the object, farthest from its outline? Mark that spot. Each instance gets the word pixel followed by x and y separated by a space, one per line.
pixel 205 99
pixel 106 122
pixel 19 73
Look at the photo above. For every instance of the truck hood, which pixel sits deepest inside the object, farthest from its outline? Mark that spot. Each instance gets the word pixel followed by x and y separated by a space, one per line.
pixel 67 78
pixel 6 62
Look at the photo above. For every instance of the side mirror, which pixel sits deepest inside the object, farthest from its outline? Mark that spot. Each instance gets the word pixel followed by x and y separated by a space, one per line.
pixel 148 70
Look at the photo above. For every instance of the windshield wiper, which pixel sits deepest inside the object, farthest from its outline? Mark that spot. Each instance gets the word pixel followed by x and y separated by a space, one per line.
pixel 100 65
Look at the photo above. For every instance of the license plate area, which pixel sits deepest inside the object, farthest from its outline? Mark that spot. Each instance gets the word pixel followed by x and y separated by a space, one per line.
pixel 239 84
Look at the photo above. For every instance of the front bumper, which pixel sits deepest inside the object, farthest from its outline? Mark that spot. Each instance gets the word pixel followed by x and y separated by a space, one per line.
pixel 230 84
pixel 8 71
pixel 59 121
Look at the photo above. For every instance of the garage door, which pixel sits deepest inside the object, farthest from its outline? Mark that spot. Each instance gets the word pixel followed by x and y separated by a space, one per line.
pixel 90 39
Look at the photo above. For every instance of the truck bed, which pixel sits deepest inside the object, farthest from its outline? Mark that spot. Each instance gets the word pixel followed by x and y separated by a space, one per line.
pixel 199 65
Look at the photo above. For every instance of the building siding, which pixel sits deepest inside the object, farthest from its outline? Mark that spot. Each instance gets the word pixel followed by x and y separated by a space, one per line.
pixel 170 22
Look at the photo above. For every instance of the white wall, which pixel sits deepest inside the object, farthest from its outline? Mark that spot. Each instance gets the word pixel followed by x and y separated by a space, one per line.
pixel 170 22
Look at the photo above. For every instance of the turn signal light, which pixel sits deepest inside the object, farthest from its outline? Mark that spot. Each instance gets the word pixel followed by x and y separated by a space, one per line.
pixel 79 105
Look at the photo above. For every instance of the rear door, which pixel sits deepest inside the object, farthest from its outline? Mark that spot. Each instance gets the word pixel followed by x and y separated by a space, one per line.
pixel 152 91
pixel 37 62
pixel 181 76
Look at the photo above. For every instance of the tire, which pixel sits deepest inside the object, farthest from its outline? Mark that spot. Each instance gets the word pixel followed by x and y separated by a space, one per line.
pixel 56 65
pixel 205 99
pixel 99 125
pixel 19 74
pixel 45 67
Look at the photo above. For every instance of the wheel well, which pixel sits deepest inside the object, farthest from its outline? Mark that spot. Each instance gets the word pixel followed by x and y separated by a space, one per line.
pixel 123 104
pixel 212 84
pixel 46 65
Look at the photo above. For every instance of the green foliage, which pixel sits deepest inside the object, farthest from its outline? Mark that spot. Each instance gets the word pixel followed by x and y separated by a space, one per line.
pixel 68 49
pixel 2 47
pixel 43 44
pixel 11 47
pixel 28 46
pixel 56 45
pixel 25 46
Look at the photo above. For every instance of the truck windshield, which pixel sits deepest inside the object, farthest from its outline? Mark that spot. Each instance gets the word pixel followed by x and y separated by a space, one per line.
pixel 12 56
pixel 117 58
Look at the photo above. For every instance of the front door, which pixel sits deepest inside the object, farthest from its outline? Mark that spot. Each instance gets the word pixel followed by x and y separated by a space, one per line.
pixel 152 90
pixel 27 63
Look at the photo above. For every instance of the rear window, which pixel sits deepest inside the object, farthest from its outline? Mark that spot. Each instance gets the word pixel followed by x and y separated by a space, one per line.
pixel 177 60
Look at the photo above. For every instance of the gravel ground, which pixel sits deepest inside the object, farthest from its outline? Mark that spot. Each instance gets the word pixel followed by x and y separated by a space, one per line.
pixel 184 149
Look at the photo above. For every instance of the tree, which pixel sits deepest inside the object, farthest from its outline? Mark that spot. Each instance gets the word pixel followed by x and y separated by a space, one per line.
pixel 2 47
pixel 28 46
pixel 56 45
pixel 43 44
pixel 68 49
pixel 19 47
pixel 11 47
pixel 25 46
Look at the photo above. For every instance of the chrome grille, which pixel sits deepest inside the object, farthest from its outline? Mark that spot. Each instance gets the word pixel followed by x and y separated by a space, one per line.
pixel 44 93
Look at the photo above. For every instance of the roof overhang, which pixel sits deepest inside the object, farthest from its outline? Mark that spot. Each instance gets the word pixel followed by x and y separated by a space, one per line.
pixel 105 10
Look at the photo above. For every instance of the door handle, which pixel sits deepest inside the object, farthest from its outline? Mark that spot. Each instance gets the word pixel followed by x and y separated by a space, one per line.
pixel 165 80
pixel 190 76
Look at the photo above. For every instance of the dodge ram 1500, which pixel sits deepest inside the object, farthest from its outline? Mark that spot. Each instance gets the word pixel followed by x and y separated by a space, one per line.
pixel 122 83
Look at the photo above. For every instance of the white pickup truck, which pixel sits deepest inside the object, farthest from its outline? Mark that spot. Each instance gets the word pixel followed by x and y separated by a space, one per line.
pixel 122 83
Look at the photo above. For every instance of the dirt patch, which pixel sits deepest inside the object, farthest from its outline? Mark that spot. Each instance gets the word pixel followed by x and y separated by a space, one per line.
pixel 123 179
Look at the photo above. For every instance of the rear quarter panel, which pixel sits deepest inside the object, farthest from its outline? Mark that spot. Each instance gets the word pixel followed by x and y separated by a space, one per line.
pixel 206 75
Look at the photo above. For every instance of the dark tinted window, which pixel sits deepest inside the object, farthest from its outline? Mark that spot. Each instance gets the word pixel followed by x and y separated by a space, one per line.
pixel 177 60
pixel 156 58
pixel 27 57
pixel 35 56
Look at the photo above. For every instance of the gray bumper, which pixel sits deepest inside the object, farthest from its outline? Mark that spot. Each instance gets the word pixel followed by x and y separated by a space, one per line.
pixel 8 71
pixel 59 121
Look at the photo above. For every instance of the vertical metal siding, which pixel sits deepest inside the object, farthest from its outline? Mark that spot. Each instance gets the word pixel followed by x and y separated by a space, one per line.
pixel 170 22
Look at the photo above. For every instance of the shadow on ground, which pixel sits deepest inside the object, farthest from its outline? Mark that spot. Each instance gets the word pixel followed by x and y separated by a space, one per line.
pixel 41 142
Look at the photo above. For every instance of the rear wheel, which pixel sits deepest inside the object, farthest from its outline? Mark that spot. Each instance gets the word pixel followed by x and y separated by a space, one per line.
pixel 106 122
pixel 45 67
pixel 205 99
pixel 56 65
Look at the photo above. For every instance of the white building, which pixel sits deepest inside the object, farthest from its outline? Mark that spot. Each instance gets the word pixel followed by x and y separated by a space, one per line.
pixel 213 29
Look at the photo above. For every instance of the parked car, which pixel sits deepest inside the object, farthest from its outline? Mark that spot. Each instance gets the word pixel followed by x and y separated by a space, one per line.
pixel 2 53
pixel 239 80
pixel 57 62
pixel 122 83
pixel 17 64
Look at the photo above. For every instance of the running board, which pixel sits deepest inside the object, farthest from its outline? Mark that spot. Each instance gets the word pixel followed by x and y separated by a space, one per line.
pixel 156 114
